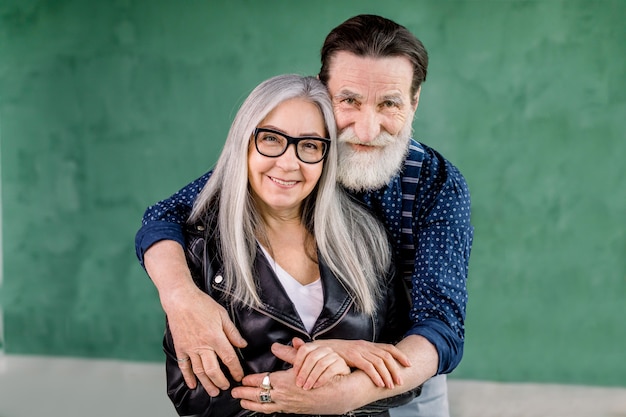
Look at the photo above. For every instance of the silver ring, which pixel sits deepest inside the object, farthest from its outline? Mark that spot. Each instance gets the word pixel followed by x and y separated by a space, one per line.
pixel 265 384
pixel 182 360
pixel 265 396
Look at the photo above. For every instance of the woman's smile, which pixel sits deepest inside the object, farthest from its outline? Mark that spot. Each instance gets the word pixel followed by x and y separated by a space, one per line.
pixel 283 183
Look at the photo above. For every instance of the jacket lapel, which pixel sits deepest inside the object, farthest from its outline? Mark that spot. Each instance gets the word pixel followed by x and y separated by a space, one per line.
pixel 277 304
pixel 337 300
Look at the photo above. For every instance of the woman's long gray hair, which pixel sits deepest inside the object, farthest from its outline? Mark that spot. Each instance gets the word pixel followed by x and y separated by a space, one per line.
pixel 350 240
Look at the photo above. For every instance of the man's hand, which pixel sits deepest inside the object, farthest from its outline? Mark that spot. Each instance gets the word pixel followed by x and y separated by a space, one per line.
pixel 381 362
pixel 342 393
pixel 203 332
pixel 201 328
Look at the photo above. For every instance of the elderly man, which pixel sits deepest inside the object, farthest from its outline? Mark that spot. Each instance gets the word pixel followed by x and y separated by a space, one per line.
pixel 374 69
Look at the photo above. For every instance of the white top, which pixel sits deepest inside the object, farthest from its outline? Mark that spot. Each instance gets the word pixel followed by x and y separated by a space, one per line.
pixel 308 299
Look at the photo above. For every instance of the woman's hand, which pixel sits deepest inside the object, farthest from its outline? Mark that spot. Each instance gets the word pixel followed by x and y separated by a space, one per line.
pixel 318 364
pixel 336 397
pixel 381 362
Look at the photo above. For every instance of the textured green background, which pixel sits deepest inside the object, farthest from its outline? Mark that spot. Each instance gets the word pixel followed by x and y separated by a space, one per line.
pixel 107 106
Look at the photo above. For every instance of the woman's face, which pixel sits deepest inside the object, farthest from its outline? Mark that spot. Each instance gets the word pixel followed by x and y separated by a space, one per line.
pixel 280 184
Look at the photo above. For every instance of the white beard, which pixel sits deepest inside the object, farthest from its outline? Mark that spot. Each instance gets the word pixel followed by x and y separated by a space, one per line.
pixel 374 168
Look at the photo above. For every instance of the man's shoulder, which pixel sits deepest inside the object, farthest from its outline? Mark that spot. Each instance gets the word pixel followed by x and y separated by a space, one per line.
pixel 419 151
pixel 426 166
pixel 427 158
pixel 418 156
pixel 421 164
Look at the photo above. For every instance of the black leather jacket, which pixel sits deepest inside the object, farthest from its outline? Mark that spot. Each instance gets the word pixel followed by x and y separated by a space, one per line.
pixel 276 320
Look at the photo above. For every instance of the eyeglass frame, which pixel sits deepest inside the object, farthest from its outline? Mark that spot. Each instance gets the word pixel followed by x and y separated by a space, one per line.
pixel 291 140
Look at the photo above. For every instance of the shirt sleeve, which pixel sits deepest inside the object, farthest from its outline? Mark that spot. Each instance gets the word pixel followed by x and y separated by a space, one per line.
pixel 164 220
pixel 443 237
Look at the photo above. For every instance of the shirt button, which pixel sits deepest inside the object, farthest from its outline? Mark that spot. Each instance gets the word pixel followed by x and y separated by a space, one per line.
pixel 218 279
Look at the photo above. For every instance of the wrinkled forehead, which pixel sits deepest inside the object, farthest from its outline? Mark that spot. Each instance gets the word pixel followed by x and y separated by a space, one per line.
pixel 367 76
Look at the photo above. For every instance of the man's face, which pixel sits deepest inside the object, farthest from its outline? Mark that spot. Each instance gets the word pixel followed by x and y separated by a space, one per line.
pixel 374 111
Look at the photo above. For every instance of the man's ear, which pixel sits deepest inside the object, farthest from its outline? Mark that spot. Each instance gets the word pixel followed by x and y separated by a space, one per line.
pixel 416 98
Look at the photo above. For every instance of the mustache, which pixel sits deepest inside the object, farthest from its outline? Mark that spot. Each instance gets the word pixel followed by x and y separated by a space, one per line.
pixel 348 136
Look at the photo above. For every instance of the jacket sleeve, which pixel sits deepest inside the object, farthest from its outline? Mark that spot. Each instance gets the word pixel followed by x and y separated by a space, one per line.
pixel 194 402
pixel 393 319
pixel 186 401
pixel 394 313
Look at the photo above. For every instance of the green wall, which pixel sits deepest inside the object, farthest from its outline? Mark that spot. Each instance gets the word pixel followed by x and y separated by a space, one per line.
pixel 106 107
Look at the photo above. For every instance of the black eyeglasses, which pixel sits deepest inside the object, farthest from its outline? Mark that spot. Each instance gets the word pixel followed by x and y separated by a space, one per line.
pixel 273 144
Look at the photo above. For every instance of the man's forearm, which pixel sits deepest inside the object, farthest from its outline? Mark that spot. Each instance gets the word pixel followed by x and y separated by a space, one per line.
pixel 200 328
pixel 166 265
pixel 424 360
pixel 357 389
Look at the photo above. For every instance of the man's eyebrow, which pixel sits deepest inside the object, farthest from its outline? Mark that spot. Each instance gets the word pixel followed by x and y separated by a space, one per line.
pixel 344 94
pixel 395 98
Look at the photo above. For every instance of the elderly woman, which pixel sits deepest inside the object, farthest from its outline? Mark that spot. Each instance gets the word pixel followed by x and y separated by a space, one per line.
pixel 287 253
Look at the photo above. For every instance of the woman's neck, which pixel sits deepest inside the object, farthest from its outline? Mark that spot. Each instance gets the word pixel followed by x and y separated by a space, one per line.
pixel 292 247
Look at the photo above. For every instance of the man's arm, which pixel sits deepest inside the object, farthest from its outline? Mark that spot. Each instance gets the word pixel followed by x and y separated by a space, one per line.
pixel 344 393
pixel 443 237
pixel 200 327
pixel 164 220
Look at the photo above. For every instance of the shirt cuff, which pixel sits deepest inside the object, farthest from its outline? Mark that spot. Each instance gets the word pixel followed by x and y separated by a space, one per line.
pixel 449 346
pixel 153 232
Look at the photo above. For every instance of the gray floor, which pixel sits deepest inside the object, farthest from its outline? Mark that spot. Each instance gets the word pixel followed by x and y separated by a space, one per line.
pixel 44 386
